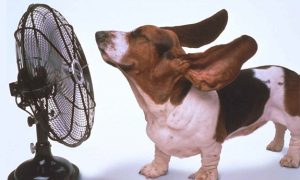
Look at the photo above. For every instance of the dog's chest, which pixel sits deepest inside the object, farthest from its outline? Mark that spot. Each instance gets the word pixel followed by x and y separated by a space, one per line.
pixel 172 142
pixel 182 130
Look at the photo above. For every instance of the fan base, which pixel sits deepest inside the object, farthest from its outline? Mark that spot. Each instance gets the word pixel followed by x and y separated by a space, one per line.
pixel 45 168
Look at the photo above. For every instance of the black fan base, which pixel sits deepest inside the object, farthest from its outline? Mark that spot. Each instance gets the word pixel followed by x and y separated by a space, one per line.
pixel 42 168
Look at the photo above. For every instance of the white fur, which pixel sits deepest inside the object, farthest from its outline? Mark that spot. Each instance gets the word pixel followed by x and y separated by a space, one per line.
pixel 275 108
pixel 118 47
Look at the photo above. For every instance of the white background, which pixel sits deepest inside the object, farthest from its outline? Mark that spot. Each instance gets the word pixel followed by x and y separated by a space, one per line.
pixel 118 145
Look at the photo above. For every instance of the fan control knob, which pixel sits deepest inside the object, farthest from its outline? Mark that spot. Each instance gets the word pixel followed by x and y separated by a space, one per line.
pixel 32 148
pixel 31 121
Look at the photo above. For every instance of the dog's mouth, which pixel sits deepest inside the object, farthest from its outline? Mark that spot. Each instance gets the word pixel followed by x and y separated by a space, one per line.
pixel 107 59
pixel 104 55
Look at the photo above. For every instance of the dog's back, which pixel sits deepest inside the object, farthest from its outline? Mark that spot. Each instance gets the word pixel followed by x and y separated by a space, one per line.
pixel 256 96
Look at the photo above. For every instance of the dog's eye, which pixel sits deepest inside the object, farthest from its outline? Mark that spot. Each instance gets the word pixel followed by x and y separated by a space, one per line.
pixel 138 34
pixel 163 44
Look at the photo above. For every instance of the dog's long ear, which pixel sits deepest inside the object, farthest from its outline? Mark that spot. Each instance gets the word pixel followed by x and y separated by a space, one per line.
pixel 219 65
pixel 201 33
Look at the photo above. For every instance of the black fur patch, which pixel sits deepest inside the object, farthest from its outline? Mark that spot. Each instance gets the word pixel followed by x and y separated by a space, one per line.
pixel 241 103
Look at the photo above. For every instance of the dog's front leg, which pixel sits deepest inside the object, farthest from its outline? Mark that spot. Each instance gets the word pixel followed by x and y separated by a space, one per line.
pixel 158 167
pixel 210 159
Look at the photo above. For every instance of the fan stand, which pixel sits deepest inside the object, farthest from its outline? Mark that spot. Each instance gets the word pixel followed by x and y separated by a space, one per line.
pixel 45 166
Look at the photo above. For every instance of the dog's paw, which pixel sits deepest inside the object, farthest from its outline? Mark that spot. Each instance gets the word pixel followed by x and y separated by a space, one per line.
pixel 205 175
pixel 153 170
pixel 290 162
pixel 275 146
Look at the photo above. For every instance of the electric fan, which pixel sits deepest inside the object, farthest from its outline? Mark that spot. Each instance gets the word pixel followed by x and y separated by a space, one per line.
pixel 54 86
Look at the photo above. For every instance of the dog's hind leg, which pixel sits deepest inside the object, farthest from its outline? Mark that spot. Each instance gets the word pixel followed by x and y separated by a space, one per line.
pixel 158 167
pixel 277 143
pixel 292 158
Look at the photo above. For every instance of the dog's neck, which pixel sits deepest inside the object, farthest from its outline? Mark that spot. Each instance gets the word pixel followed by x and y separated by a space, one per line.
pixel 162 115
pixel 152 110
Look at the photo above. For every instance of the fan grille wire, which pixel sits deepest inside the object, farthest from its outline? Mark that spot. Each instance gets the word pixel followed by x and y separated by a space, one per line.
pixel 45 39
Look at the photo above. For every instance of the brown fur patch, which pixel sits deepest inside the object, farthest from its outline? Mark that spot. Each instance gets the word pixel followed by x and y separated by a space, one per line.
pixel 292 92
pixel 221 132
pixel 180 91
pixel 201 33
pixel 219 65
pixel 248 129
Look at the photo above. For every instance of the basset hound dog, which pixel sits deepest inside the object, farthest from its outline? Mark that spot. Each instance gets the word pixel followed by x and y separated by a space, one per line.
pixel 193 102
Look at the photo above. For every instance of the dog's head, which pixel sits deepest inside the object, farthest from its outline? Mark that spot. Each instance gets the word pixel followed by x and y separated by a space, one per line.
pixel 153 58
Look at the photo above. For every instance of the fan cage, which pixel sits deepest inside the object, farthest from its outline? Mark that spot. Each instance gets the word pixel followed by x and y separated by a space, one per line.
pixel 45 40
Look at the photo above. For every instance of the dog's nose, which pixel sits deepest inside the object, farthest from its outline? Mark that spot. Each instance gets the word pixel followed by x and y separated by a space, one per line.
pixel 101 36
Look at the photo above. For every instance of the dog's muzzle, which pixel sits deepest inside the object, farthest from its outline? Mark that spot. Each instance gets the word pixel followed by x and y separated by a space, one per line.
pixel 102 38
